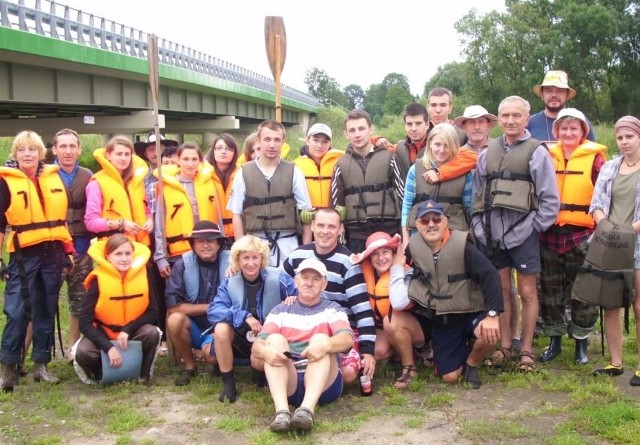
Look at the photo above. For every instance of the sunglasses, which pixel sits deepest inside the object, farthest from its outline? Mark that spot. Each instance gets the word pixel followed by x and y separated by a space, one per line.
pixel 427 219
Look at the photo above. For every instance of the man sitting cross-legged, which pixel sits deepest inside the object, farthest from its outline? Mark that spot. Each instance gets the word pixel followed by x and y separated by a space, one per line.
pixel 299 345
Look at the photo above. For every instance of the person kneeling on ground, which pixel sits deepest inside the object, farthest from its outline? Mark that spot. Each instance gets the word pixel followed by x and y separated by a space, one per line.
pixel 192 285
pixel 242 304
pixel 457 290
pixel 299 345
pixel 116 308
pixel 377 261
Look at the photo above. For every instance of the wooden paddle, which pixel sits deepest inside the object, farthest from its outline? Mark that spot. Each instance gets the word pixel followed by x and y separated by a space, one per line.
pixel 275 39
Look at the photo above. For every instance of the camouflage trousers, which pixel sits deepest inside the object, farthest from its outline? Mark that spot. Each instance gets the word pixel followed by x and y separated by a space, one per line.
pixel 558 274
pixel 75 282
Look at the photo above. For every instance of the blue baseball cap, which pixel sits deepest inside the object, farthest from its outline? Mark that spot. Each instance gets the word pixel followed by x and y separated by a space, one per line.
pixel 430 207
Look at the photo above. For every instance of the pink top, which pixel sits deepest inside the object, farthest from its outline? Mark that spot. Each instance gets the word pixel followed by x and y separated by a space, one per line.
pixel 93 215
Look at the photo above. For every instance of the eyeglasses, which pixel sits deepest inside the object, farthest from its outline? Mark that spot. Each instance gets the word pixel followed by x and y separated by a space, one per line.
pixel 427 219
pixel 222 148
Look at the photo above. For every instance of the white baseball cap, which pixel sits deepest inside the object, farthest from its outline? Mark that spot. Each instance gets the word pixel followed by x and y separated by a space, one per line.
pixel 319 129
pixel 313 264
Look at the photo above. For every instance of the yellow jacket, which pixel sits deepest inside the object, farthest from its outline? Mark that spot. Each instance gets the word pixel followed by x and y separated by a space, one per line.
pixel 121 299
pixel 33 222
pixel 319 178
pixel 574 182
pixel 179 218
pixel 120 201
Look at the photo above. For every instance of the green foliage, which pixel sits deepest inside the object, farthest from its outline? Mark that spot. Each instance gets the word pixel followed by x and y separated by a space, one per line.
pixel 325 88
pixel 508 53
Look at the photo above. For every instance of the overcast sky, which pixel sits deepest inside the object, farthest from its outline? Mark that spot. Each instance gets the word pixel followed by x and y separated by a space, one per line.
pixel 354 41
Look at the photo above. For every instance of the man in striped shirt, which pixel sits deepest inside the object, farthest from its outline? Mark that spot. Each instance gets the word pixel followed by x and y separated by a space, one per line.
pixel 345 286
pixel 299 344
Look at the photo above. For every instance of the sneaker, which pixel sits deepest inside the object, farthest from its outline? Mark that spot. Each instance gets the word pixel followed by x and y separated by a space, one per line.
pixel 41 374
pixel 185 377
pixel 609 370
pixel 8 378
pixel 635 380
pixel 472 376
pixel 282 422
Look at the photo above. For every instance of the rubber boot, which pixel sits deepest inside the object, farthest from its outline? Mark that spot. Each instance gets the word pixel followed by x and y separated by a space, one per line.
pixel 8 377
pixel 581 351
pixel 41 374
pixel 554 349
pixel 229 392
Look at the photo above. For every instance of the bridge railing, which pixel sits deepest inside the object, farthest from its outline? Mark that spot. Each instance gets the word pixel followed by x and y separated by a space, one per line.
pixel 50 19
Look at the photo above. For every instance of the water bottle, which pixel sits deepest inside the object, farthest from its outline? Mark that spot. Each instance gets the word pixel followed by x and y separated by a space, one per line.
pixel 366 387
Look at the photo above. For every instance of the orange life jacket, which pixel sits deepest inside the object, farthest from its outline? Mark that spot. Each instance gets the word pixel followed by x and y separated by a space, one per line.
pixel 28 218
pixel 121 299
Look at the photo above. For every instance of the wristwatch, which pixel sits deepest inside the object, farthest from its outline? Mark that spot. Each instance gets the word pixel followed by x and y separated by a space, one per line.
pixel 492 313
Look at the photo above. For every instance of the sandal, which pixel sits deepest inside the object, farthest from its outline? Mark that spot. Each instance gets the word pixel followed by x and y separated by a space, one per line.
pixel 526 366
pixel 282 422
pixel 499 356
pixel 163 351
pixel 302 419
pixel 409 372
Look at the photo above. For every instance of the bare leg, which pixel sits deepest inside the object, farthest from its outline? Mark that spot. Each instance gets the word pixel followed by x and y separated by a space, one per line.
pixel 283 380
pixel 224 335
pixel 179 329
pixel 505 317
pixel 529 295
pixel 613 332
pixel 405 332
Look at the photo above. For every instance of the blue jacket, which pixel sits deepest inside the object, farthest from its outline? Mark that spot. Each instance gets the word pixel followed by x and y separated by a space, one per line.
pixel 230 307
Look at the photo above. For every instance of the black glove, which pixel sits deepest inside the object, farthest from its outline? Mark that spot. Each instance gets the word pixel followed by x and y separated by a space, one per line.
pixel 4 271
pixel 68 264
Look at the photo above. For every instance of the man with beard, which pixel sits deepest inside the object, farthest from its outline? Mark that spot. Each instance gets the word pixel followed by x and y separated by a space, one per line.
pixel 554 92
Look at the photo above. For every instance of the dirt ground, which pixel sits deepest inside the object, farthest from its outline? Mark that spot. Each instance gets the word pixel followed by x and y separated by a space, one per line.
pixel 433 413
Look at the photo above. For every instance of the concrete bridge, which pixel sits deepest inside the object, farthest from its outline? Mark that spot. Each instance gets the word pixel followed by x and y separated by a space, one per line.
pixel 61 67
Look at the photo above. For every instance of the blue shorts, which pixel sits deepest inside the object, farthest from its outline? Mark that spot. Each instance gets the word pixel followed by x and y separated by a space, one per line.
pixel 525 258
pixel 450 341
pixel 197 339
pixel 329 395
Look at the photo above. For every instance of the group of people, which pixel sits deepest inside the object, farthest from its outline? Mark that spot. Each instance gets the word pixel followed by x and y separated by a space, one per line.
pixel 311 271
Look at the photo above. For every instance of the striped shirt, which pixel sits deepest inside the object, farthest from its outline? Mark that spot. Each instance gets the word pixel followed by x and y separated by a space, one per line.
pixel 345 286
pixel 298 322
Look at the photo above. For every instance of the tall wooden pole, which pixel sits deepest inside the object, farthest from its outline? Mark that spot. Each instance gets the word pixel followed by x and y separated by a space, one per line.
pixel 154 82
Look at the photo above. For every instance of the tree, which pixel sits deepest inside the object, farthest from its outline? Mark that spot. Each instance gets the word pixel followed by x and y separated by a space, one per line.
pixel 595 41
pixel 325 88
pixel 355 96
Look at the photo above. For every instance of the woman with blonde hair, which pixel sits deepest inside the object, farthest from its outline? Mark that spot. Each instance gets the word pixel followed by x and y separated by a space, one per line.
pixel 116 200
pixel 454 194
pixel 33 214
pixel 241 306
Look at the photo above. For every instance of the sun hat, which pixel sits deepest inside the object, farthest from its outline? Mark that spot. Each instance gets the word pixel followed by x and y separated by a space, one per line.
pixel 474 112
pixel 319 129
pixel 375 241
pixel 206 230
pixel 555 78
pixel 141 146
pixel 430 207
pixel 312 264
pixel 574 113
